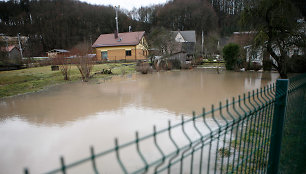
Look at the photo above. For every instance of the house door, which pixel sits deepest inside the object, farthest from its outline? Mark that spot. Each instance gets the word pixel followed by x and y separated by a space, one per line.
pixel 104 55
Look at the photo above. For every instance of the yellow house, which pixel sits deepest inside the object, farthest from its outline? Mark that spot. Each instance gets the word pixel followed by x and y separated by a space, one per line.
pixel 129 46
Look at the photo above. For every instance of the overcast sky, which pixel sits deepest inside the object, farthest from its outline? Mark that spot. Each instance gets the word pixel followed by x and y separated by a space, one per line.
pixel 127 4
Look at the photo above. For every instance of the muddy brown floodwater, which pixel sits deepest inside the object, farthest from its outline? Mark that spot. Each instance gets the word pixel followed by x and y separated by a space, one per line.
pixel 36 129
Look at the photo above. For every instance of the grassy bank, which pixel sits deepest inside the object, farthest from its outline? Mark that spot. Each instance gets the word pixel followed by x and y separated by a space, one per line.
pixel 36 79
pixel 212 64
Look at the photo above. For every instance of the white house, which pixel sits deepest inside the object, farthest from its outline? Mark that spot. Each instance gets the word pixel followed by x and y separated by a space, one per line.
pixel 187 40
pixel 257 54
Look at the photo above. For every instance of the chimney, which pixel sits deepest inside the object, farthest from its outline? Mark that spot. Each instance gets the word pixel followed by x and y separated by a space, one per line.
pixel 116 34
pixel 117 29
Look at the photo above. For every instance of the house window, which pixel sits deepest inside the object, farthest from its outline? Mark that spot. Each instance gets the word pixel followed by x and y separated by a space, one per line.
pixel 128 53
pixel 104 55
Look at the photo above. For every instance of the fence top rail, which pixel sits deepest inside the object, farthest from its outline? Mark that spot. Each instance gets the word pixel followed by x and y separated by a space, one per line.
pixel 252 102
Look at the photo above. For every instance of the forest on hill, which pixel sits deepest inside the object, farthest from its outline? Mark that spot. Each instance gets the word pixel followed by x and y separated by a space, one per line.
pixel 63 24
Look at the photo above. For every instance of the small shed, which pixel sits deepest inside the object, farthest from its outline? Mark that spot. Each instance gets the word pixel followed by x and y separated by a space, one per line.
pixel 55 52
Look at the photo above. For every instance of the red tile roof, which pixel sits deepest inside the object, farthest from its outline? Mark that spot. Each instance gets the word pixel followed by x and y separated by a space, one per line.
pixel 124 39
pixel 9 48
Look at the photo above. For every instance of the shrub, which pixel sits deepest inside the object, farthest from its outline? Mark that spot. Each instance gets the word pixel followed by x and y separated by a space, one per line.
pixel 85 65
pixel 267 64
pixel 143 67
pixel 254 66
pixel 163 65
pixel 168 65
pixel 176 64
pixel 197 61
pixel 210 59
pixel 230 55
pixel 45 62
pixel 139 62
pixel 297 64
pixel 155 66
pixel 186 66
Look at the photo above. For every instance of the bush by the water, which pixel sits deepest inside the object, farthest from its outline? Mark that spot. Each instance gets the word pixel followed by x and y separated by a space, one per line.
pixel 254 66
pixel 186 66
pixel 267 65
pixel 176 64
pixel 197 61
pixel 231 55
pixel 162 65
pixel 143 67
pixel 170 64
pixel 297 64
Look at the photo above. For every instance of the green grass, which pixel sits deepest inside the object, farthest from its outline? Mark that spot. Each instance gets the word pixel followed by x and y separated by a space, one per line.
pixel 36 79
pixel 293 150
pixel 209 64
pixel 251 145
pixel 224 152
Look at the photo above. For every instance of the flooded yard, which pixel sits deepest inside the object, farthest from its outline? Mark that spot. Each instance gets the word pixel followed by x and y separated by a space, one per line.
pixel 36 129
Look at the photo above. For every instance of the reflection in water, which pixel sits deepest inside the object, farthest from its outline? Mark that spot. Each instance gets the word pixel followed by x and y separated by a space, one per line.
pixel 36 129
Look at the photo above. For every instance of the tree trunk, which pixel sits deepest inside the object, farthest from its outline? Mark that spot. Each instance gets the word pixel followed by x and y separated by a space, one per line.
pixel 281 61
pixel 66 76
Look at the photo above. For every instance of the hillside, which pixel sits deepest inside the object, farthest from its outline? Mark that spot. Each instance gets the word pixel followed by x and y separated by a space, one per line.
pixel 63 24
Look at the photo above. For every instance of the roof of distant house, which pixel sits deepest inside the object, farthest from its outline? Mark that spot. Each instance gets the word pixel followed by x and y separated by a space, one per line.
pixel 188 36
pixel 13 40
pixel 244 32
pixel 58 51
pixel 8 48
pixel 124 39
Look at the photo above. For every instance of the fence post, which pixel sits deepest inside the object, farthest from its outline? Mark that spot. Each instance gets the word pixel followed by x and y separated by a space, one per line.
pixel 277 125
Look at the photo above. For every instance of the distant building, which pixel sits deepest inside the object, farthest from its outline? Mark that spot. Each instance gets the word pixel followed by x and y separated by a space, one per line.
pixel 244 40
pixel 187 40
pixel 130 46
pixel 55 52
pixel 13 54
pixel 257 55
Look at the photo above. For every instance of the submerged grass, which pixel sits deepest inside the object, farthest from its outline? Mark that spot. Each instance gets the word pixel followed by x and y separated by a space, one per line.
pixel 35 79
pixel 251 148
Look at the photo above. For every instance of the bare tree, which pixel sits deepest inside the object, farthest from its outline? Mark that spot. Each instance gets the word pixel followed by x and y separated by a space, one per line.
pixel 64 64
pixel 164 41
pixel 82 60
pixel 85 65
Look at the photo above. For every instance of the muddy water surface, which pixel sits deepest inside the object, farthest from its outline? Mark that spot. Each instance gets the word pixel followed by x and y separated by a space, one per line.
pixel 36 129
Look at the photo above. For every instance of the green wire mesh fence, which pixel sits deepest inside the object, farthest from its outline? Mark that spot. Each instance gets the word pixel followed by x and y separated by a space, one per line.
pixel 292 157
pixel 235 137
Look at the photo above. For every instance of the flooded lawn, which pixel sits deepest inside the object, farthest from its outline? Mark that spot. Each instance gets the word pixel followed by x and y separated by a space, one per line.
pixel 36 129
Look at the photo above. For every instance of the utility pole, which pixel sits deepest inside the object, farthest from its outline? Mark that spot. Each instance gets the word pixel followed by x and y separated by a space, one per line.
pixel 202 43
pixel 117 28
pixel 20 48
pixel 6 39
pixel 90 39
